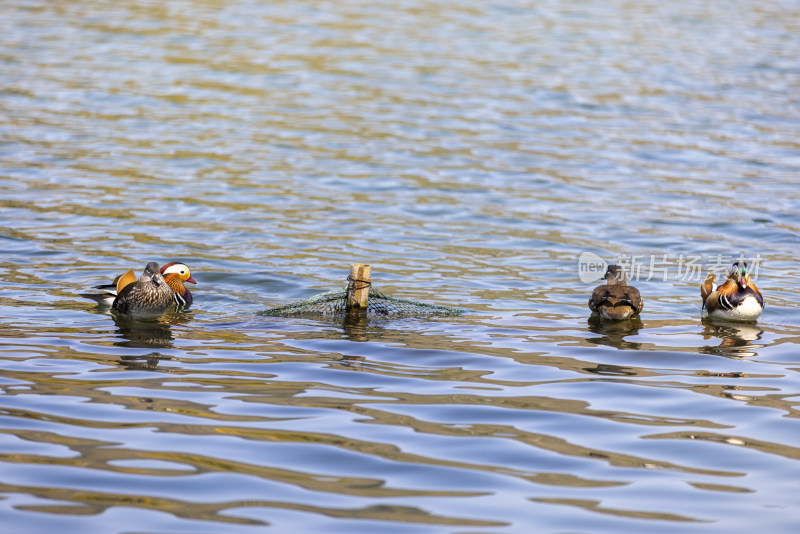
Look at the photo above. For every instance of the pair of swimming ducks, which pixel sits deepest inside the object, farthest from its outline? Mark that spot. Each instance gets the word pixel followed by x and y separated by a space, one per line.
pixel 152 294
pixel 158 289
pixel 738 299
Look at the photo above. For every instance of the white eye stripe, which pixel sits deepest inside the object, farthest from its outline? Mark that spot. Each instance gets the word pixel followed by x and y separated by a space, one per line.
pixel 175 269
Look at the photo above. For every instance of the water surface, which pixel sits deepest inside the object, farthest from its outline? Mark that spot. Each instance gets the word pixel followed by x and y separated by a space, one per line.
pixel 470 152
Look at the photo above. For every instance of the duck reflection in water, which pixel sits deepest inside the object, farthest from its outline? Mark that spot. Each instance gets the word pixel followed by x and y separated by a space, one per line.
pixel 143 333
pixel 148 362
pixel 737 338
pixel 614 332
pixel 149 332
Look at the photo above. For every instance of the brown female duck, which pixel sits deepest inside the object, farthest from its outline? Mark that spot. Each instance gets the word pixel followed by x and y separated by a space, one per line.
pixel 616 300
pixel 150 295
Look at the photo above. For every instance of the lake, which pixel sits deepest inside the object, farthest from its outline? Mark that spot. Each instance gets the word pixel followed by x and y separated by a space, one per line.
pixel 488 156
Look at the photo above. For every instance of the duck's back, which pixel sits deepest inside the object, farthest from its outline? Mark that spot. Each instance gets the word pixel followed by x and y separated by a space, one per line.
pixel 144 298
pixel 616 301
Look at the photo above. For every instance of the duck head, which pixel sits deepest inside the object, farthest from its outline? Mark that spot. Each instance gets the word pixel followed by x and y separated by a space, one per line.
pixel 739 274
pixel 616 275
pixel 179 269
pixel 152 273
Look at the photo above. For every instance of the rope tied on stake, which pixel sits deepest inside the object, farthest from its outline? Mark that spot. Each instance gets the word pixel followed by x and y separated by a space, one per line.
pixel 366 283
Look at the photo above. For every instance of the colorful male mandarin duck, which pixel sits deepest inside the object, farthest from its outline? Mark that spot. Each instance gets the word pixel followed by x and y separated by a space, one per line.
pixel 150 295
pixel 175 274
pixel 738 299
pixel 616 300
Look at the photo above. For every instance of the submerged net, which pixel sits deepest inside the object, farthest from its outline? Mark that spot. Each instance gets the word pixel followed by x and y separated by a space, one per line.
pixel 335 302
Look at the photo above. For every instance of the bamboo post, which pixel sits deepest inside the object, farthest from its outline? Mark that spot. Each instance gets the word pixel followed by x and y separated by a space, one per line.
pixel 358 288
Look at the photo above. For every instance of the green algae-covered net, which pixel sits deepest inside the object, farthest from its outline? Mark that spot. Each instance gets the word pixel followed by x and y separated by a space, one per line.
pixel 335 303
pixel 359 297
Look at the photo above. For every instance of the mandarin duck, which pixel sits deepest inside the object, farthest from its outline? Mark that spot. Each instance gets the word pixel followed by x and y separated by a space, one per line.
pixel 175 274
pixel 616 300
pixel 150 295
pixel 738 299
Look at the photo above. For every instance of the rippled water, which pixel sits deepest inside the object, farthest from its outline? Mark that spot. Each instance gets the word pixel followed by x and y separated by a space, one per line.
pixel 470 152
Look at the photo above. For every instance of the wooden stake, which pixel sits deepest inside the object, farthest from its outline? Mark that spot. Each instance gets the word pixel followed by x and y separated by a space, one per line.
pixel 358 288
